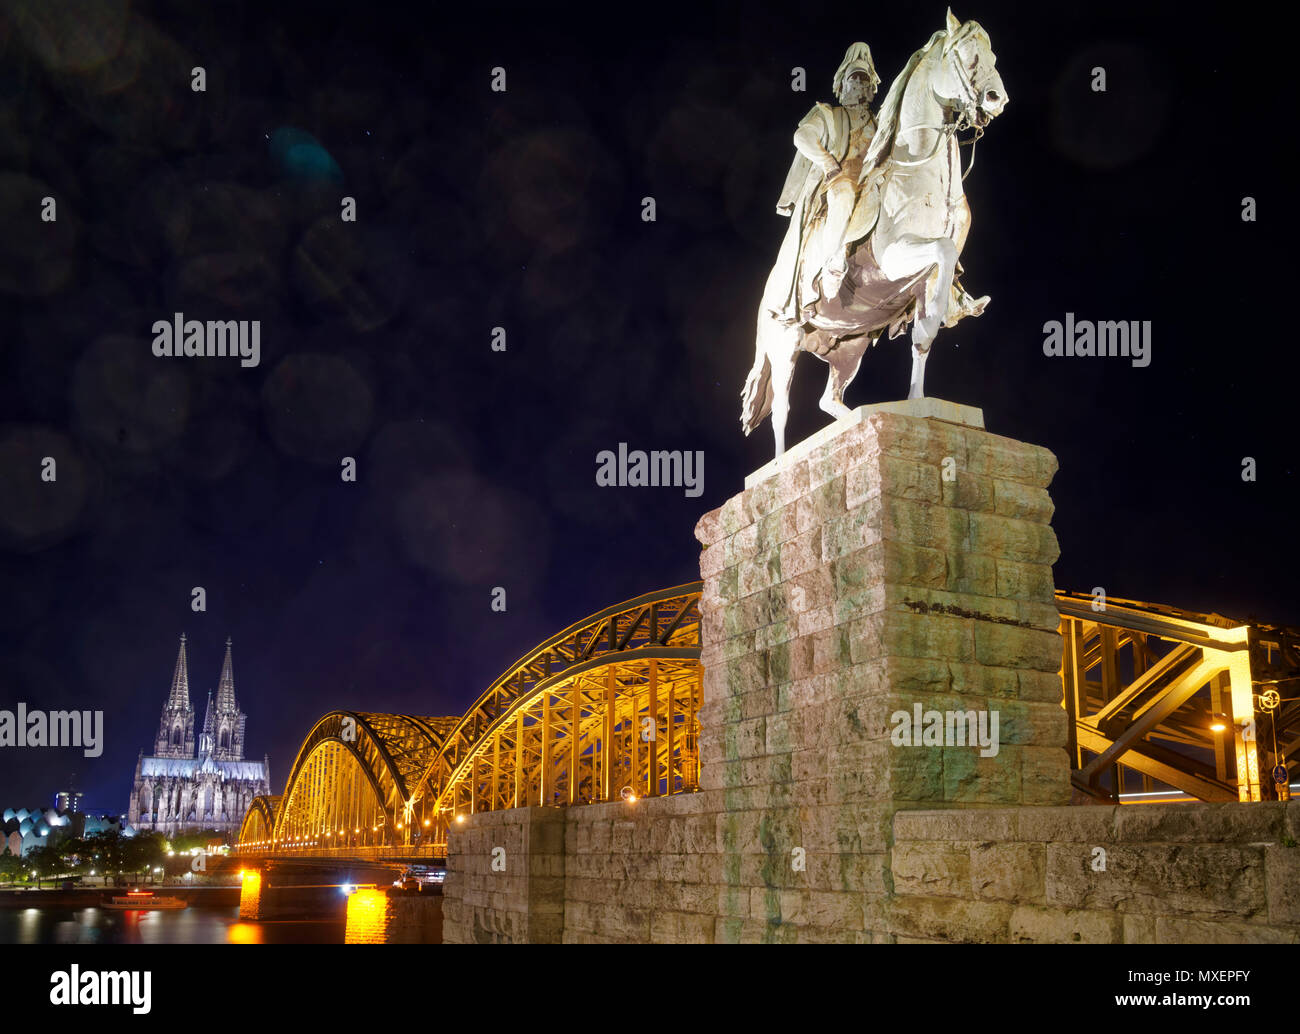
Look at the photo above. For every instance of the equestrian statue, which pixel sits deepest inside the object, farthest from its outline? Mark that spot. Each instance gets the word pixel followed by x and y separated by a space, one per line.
pixel 878 218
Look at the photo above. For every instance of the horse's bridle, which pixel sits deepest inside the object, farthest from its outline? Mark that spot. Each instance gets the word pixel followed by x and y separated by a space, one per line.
pixel 962 121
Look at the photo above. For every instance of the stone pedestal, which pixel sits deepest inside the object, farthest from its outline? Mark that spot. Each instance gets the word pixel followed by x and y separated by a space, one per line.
pixel 892 560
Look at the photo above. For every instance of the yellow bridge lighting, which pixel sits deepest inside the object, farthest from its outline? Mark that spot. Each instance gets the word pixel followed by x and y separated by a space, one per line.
pixel 564 725
pixel 608 709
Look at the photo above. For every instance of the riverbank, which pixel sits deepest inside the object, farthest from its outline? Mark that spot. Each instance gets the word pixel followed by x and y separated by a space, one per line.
pixel 91 897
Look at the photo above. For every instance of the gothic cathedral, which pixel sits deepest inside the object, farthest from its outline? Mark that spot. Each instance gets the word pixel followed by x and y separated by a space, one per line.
pixel 178 789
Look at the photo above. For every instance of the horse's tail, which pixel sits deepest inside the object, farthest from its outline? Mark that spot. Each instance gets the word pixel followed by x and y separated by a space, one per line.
pixel 756 398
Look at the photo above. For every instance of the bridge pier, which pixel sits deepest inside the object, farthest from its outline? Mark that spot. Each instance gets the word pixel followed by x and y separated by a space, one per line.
pixel 250 894
pixel 386 915
pixel 289 890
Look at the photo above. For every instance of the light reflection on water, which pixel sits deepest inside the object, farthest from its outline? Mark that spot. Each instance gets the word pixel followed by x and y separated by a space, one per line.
pixel 187 926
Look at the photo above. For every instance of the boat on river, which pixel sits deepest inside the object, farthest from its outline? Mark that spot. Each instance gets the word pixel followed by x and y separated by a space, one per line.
pixel 144 899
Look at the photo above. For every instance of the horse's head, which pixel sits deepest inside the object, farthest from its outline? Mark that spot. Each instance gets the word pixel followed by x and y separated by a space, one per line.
pixel 966 79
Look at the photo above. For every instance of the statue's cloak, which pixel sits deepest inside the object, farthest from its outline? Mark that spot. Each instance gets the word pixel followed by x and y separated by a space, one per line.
pixel 791 287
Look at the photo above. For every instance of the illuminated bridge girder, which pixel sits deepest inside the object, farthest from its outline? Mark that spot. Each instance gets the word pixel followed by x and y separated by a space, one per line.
pixel 258 826
pixel 350 782
pixel 335 801
pixel 609 707
pixel 518 742
pixel 636 733
pixel 1144 684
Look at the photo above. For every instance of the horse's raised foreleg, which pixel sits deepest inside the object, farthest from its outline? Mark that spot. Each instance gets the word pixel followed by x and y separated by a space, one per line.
pixel 902 260
pixel 843 361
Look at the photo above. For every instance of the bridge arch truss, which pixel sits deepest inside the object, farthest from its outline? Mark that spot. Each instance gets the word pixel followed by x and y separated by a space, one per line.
pixel 349 784
pixel 606 709
pixel 603 710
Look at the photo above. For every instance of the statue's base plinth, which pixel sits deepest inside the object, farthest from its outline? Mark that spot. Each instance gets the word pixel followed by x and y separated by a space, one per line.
pixel 896 577
pixel 934 409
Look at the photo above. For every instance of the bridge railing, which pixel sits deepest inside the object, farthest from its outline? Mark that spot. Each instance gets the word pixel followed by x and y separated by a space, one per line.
pixel 430 850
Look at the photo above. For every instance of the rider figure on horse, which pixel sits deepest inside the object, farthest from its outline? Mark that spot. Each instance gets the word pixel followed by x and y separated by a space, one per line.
pixel 822 188
pixel 823 194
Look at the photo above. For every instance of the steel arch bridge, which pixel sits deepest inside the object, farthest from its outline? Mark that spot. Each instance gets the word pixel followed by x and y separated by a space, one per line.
pixel 349 785
pixel 608 708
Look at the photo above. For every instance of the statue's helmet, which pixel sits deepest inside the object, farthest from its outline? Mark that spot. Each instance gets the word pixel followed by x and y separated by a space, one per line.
pixel 856 59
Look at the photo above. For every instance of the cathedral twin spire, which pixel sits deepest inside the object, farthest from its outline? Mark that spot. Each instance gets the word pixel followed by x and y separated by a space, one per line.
pixel 180 694
pixel 222 735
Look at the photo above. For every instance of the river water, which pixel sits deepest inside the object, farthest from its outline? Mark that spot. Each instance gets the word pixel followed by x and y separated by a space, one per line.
pixel 193 925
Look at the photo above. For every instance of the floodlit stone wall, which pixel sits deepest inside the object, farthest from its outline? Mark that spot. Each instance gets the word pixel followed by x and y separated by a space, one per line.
pixel 505 878
pixel 672 870
pixel 1135 874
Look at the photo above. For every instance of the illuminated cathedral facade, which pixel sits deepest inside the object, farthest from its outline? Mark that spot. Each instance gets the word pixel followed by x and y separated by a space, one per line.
pixel 183 786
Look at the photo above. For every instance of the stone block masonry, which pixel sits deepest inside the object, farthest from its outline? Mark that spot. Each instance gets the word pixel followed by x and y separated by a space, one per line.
pixel 505 878
pixel 902 561
pixel 892 560
pixel 1149 874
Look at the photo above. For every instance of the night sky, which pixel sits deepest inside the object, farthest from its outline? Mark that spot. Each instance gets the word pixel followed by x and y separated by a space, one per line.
pixel 522 210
